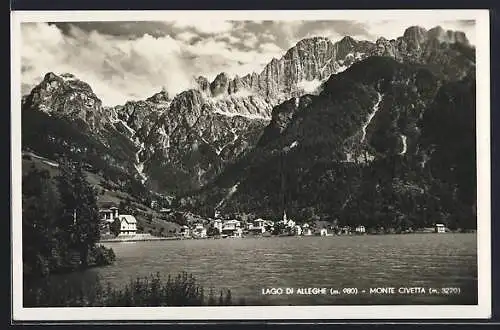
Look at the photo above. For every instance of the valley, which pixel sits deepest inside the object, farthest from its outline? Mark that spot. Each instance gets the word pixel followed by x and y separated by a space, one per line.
pixel 318 133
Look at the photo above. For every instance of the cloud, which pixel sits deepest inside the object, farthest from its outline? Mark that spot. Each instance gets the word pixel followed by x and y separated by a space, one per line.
pixel 125 30
pixel 250 40
pixel 121 69
pixel 186 36
pixel 204 26
pixel 228 37
pixel 117 69
pixel 271 48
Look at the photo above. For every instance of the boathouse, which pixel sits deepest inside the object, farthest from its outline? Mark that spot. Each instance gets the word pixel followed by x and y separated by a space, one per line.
pixel 440 228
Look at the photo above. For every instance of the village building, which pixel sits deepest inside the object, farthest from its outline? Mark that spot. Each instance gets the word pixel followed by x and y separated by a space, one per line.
pixel 323 232
pixel 232 228
pixel 269 225
pixel 185 232
pixel 109 214
pixel 360 229
pixel 298 230
pixel 199 231
pixel 306 230
pixel 128 224
pixel 258 226
pixel 346 230
pixel 440 228
pixel 218 225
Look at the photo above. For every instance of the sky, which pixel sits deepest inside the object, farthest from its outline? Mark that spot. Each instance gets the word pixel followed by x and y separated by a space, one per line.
pixel 133 60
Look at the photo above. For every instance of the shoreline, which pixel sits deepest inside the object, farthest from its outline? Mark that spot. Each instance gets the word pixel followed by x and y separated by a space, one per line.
pixel 156 238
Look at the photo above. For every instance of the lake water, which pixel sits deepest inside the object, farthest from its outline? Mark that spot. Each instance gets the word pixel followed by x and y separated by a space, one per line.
pixel 247 266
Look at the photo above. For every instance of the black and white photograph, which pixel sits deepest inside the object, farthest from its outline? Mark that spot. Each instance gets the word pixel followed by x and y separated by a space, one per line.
pixel 250 165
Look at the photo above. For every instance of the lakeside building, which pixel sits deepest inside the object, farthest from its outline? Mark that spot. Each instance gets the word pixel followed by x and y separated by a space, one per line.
pixel 109 214
pixel 128 224
pixel 360 229
pixel 346 230
pixel 199 231
pixel 306 230
pixel 185 232
pixel 258 226
pixel 232 228
pixel 440 228
pixel 217 223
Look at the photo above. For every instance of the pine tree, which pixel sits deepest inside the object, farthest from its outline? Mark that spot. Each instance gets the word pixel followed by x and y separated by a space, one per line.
pixel 80 215
pixel 40 212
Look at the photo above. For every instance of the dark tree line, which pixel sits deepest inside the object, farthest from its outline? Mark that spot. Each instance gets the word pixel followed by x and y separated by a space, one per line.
pixel 60 221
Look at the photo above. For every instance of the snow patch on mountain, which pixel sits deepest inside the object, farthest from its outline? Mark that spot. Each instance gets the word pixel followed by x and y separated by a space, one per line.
pixel 310 86
pixel 249 116
pixel 230 193
pixel 139 166
pixel 375 108
pixel 235 137
pixel 403 139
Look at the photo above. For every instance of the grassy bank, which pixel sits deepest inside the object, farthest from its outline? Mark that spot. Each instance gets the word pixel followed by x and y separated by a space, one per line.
pixel 152 291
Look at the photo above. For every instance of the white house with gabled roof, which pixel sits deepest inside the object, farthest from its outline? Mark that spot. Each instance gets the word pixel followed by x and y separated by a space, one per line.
pixel 128 224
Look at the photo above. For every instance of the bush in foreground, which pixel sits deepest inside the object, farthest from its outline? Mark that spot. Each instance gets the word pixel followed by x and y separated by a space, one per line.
pixel 101 256
pixel 181 290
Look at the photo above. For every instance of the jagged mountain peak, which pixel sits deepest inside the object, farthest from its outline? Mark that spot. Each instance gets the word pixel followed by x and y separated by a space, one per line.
pixel 348 40
pixel 220 84
pixel 313 39
pixel 310 42
pixel 420 35
pixel 437 30
pixel 448 36
pixel 414 29
pixel 65 80
pixel 160 97
pixel 67 96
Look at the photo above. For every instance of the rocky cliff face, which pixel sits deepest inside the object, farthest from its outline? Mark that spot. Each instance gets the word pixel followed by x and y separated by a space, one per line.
pixel 311 61
pixel 365 137
pixel 181 143
pixel 301 69
pixel 196 136
pixel 67 96
pixel 448 54
pixel 62 117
